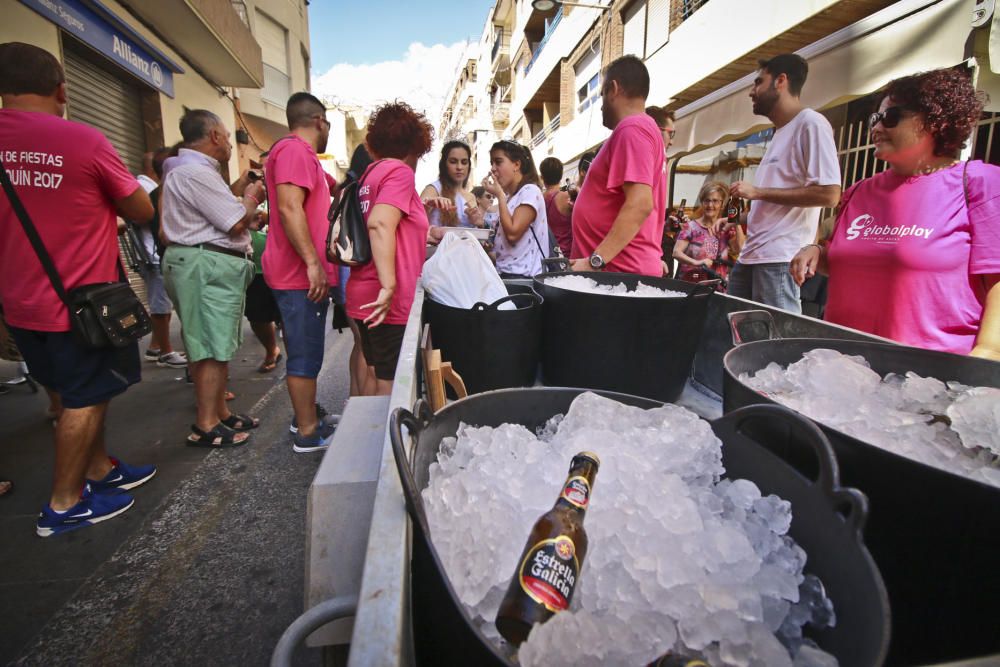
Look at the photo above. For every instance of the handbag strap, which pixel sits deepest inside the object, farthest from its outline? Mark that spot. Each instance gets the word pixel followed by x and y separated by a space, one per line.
pixel 965 184
pixel 36 241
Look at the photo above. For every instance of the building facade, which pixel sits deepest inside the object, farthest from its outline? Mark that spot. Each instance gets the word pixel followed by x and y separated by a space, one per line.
pixel 540 72
pixel 281 27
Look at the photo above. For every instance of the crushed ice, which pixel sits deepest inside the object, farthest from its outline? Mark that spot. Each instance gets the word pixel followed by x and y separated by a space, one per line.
pixel 946 425
pixel 584 284
pixel 677 558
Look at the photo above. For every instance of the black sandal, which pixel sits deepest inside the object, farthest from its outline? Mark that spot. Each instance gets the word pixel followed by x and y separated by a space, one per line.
pixel 240 423
pixel 219 437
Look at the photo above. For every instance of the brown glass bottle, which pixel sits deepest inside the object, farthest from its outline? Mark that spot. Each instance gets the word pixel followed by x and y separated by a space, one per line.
pixel 679 660
pixel 549 567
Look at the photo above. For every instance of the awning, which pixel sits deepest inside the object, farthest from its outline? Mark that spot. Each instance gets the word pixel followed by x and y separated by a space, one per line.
pixel 891 43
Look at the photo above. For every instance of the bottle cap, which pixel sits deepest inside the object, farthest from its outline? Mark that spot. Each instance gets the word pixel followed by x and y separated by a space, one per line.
pixel 590 456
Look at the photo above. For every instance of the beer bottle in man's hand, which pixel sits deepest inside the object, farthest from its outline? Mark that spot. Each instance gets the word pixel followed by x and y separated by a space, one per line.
pixel 549 567
pixel 734 210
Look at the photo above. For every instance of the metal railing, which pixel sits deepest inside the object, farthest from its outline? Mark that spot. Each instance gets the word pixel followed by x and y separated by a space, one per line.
pixel 550 28
pixel 681 10
pixel 498 43
pixel 546 132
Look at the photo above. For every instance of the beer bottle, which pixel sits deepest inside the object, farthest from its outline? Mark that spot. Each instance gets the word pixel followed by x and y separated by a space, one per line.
pixel 672 659
pixel 734 210
pixel 549 566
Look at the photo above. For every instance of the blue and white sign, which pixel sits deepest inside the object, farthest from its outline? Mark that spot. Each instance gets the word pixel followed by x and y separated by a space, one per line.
pixel 85 24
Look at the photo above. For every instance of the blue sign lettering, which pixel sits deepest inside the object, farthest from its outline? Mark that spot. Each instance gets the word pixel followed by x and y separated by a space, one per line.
pixel 83 23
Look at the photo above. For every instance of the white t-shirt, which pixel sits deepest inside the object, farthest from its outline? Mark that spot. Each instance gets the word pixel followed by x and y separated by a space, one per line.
pixel 801 153
pixel 148 185
pixel 524 257
pixel 434 216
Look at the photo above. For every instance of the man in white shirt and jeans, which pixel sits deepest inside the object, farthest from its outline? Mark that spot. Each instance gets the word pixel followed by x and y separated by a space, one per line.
pixel 798 176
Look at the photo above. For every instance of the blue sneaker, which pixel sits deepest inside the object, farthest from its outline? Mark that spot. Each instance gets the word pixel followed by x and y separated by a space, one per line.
pixel 122 476
pixel 321 414
pixel 92 508
pixel 316 442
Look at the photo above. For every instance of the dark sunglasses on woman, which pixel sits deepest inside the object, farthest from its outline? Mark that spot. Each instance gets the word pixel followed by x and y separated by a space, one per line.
pixel 889 118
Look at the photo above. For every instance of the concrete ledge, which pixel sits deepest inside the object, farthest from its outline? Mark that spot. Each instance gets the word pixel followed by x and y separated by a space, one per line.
pixel 339 511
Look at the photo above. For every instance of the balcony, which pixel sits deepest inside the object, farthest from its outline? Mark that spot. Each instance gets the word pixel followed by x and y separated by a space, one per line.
pixel 500 113
pixel 546 132
pixel 500 58
pixel 550 27
pixel 210 34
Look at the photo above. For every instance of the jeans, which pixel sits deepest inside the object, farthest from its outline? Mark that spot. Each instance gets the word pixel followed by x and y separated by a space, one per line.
pixel 770 284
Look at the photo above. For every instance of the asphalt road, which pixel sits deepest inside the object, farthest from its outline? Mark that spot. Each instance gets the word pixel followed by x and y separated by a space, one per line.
pixel 207 568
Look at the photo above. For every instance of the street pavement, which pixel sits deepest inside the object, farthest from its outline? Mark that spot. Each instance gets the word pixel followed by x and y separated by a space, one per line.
pixel 206 568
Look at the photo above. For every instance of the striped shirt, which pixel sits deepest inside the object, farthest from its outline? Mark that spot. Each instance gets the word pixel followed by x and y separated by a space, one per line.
pixel 197 205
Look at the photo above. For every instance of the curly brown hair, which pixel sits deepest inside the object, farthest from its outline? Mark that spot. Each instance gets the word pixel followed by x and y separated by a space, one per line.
pixel 946 100
pixel 396 130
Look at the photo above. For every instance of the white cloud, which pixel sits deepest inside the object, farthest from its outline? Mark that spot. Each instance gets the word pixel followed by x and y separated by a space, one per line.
pixel 422 79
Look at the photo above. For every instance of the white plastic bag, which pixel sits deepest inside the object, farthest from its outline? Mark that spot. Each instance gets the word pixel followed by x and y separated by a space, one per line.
pixel 460 274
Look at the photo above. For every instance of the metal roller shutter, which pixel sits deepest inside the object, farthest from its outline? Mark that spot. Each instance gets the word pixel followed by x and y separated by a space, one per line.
pixel 109 103
pixel 113 106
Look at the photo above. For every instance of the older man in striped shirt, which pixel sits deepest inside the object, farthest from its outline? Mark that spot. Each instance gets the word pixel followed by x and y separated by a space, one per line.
pixel 206 268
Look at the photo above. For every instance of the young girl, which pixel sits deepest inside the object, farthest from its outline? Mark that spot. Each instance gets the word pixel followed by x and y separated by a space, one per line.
pixel 523 231
pixel 453 177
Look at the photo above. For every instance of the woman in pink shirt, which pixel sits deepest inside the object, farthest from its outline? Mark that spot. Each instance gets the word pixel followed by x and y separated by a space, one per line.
pixel 915 253
pixel 380 293
pixel 705 243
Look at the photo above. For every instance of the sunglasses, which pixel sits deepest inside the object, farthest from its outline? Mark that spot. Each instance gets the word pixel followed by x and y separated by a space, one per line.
pixel 889 118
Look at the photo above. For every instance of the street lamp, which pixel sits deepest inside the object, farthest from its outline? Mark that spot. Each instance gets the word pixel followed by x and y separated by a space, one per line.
pixel 546 5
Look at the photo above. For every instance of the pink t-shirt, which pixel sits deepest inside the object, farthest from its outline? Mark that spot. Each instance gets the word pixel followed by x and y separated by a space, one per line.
pixel 293 161
pixel 68 177
pixel 906 256
pixel 633 154
pixel 391 182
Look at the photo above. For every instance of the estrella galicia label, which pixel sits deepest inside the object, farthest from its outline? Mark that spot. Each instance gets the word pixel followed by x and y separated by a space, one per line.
pixel 549 571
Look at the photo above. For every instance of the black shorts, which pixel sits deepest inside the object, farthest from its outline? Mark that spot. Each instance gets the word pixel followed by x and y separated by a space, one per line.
pixel 381 346
pixel 260 305
pixel 82 376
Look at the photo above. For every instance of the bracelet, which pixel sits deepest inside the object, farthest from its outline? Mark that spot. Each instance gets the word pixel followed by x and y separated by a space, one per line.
pixel 811 244
pixel 253 199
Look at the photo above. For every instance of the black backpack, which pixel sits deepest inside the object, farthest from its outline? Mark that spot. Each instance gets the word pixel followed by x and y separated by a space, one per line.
pixel 347 241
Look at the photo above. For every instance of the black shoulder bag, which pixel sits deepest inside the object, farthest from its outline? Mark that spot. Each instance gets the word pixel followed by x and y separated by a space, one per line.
pixel 101 314
pixel 347 241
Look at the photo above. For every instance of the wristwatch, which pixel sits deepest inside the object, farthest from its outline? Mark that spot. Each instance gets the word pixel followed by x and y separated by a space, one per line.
pixel 597 262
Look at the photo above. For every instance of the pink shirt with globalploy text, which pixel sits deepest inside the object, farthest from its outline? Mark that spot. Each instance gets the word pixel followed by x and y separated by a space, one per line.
pixel 391 182
pixel 68 176
pixel 292 161
pixel 907 256
pixel 632 154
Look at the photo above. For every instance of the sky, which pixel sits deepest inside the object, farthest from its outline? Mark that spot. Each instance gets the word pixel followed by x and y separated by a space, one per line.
pixel 366 52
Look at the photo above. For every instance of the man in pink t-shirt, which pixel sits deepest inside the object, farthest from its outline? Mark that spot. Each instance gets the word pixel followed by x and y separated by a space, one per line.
pixel 72 185
pixel 295 264
pixel 618 217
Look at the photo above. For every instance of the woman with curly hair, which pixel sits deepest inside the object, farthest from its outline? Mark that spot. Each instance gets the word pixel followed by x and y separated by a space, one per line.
pixel 915 252
pixel 380 293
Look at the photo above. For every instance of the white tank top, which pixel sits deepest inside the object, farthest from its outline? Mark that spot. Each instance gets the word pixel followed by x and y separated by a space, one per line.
pixel 435 215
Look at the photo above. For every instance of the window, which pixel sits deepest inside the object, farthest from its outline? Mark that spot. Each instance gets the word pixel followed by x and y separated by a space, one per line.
pixel 634 40
pixel 588 79
pixel 657 25
pixel 273 40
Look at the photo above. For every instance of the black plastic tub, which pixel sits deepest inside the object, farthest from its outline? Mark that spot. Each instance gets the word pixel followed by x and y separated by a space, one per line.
pixel 641 346
pixel 935 535
pixel 827 521
pixel 488 347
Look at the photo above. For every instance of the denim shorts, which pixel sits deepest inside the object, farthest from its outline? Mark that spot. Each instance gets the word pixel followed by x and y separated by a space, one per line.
pixel 156 293
pixel 304 325
pixel 82 376
pixel 770 284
